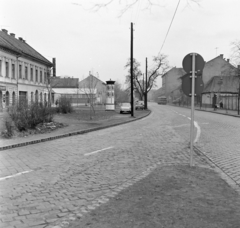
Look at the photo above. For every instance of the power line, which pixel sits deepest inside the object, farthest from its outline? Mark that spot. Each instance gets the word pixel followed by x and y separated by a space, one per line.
pixel 169 27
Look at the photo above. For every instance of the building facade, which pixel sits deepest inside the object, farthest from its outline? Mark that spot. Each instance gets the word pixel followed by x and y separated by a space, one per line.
pixel 92 83
pixel 218 67
pixel 23 72
pixel 171 81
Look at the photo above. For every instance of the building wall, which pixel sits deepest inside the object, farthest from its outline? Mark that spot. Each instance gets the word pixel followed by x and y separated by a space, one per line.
pixel 217 67
pixel 16 76
pixel 91 82
pixel 171 81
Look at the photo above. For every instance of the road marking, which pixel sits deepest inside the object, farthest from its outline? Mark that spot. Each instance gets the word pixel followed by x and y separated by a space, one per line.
pixel 17 174
pixel 94 152
pixel 198 130
pixel 182 125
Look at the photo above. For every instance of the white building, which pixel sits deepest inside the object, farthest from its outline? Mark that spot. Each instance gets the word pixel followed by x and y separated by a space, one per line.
pixel 23 71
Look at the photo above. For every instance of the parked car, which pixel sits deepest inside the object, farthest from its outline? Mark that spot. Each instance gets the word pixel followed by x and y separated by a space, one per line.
pixel 125 107
pixel 139 105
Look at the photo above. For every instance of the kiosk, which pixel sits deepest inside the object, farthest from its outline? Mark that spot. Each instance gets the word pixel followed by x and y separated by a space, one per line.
pixel 110 96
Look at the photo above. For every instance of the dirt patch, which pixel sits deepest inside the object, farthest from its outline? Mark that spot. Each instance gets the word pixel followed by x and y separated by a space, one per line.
pixel 172 196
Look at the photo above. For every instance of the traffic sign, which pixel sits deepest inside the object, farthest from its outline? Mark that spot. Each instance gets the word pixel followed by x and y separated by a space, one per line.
pixel 192 84
pixel 199 63
pixel 187 84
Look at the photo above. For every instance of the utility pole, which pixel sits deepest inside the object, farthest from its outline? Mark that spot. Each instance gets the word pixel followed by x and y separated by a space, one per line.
pixel 143 87
pixel 131 53
pixel 145 95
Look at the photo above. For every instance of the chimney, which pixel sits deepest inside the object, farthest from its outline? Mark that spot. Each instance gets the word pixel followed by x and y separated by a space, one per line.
pixel 54 67
pixel 5 30
pixel 221 55
pixel 228 60
pixel 12 34
pixel 20 38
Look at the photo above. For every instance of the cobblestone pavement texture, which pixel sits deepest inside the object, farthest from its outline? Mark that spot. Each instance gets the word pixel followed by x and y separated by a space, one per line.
pixel 65 179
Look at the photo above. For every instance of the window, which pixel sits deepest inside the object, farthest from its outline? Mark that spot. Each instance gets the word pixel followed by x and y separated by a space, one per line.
pixel 13 98
pixel 40 76
pixel 45 77
pixel 7 70
pixel 31 74
pixel 20 71
pixel 7 98
pixel 32 97
pixel 26 72
pixel 36 73
pixel 13 70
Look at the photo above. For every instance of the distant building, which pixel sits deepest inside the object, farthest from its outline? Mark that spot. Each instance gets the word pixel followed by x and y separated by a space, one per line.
pixel 64 87
pixel 171 81
pixel 23 71
pixel 221 89
pixel 96 87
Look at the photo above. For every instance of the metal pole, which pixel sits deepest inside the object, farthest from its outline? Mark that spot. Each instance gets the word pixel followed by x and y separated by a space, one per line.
pixel 192 109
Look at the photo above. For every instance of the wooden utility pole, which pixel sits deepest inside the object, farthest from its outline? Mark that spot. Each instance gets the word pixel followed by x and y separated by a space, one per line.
pixel 145 94
pixel 131 53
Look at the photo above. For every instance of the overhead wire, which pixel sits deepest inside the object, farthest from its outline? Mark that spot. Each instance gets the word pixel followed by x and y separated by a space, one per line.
pixel 169 27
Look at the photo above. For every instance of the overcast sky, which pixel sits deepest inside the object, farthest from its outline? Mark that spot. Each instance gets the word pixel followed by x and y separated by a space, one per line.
pixel 82 40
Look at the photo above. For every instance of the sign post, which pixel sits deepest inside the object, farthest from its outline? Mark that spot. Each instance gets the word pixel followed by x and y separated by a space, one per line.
pixel 192 109
pixel 193 64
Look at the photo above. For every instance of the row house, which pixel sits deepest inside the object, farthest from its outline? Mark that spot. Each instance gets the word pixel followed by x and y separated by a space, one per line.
pixel 23 71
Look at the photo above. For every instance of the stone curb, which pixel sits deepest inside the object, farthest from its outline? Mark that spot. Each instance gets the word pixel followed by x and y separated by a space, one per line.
pixel 226 114
pixel 70 134
pixel 198 109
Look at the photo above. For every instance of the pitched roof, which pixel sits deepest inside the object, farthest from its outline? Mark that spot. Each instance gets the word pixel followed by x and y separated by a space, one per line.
pixel 222 84
pixel 21 47
pixel 64 82
pixel 178 70
pixel 83 82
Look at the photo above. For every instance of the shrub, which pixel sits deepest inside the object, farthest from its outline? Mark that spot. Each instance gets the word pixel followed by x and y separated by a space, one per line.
pixel 64 105
pixel 27 116
pixel 9 131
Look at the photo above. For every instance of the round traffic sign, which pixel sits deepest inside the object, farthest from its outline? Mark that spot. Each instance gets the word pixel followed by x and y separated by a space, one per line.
pixel 199 63
pixel 187 85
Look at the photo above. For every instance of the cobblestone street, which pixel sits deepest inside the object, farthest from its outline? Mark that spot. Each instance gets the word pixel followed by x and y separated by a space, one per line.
pixel 62 179
pixel 219 139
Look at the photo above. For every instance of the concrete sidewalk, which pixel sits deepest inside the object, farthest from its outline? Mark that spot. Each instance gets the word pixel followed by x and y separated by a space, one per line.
pixel 233 113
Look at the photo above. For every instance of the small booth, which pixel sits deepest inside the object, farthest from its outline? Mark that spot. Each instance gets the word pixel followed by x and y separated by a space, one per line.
pixel 110 96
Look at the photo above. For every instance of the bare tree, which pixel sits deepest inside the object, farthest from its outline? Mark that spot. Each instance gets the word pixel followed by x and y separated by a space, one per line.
pixel 90 90
pixel 128 4
pixel 160 67
pixel 235 52
pixel 120 94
